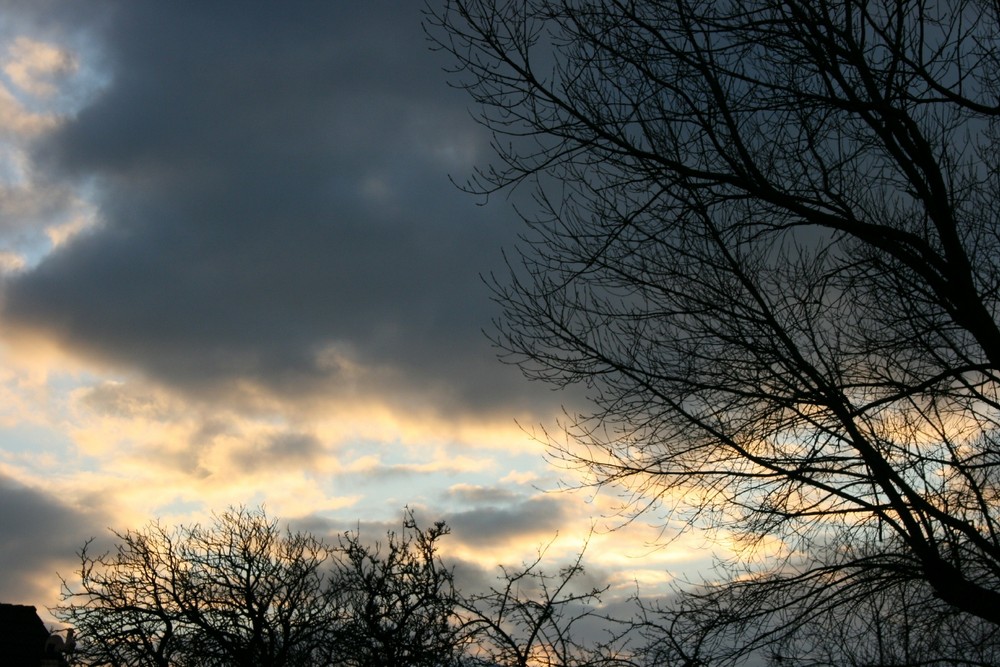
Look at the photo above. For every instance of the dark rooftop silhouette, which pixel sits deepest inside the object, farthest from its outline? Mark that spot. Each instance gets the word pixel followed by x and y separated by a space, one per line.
pixel 23 638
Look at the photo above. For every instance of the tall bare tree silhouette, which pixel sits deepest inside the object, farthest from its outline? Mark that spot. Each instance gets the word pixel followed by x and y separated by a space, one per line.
pixel 765 238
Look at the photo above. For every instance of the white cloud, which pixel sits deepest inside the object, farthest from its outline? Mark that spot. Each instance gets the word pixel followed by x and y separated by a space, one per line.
pixel 519 477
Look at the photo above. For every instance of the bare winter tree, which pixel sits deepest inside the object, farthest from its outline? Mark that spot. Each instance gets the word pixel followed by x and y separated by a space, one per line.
pixel 534 618
pixel 794 621
pixel 237 592
pixel 766 239
pixel 241 592
pixel 395 600
pixel 897 625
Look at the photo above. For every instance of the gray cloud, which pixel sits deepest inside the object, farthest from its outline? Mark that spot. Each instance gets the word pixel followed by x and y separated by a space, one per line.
pixel 37 535
pixel 278 451
pixel 541 515
pixel 273 185
pixel 119 400
pixel 482 495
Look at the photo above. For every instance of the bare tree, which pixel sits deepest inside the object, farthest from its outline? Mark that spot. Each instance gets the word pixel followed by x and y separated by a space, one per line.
pixel 884 626
pixel 242 592
pixel 812 620
pixel 766 239
pixel 236 592
pixel 534 618
pixel 395 600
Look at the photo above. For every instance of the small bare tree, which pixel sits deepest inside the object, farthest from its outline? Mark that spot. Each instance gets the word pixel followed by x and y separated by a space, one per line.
pixel 534 618
pixel 395 600
pixel 236 592
pixel 767 238
pixel 241 592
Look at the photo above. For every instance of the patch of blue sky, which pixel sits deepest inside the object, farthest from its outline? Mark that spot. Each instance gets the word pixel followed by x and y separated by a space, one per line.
pixel 179 507
pixel 43 93
pixel 41 451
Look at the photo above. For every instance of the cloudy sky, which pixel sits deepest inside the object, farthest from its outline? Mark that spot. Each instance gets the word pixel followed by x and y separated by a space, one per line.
pixel 234 270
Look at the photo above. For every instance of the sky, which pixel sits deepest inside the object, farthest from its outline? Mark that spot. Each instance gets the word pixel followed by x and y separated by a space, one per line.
pixel 235 269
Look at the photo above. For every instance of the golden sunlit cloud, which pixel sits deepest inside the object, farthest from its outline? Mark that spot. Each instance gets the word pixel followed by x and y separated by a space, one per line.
pixel 161 454
pixel 17 121
pixel 61 233
pixel 11 262
pixel 519 477
pixel 35 66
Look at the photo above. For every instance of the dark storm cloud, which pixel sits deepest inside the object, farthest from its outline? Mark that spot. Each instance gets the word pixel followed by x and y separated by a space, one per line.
pixel 37 534
pixel 273 184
